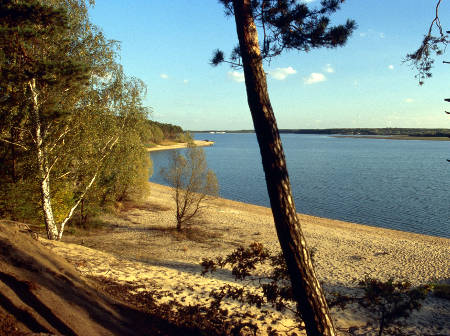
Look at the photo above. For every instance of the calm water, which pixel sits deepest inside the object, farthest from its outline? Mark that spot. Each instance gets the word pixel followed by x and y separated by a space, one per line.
pixel 396 184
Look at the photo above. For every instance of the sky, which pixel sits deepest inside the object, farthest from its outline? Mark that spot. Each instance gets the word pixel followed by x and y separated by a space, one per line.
pixel 168 44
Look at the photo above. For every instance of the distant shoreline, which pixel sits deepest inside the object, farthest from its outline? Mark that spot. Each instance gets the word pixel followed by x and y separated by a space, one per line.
pixel 393 137
pixel 199 143
pixel 439 134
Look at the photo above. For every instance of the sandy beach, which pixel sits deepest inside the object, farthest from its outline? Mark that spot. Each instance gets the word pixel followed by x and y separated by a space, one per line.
pixel 199 143
pixel 141 246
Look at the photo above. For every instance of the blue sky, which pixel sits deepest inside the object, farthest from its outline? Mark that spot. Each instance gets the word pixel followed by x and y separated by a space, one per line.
pixel 168 44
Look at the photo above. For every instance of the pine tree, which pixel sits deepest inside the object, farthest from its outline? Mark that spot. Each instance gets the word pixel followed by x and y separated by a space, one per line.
pixel 286 24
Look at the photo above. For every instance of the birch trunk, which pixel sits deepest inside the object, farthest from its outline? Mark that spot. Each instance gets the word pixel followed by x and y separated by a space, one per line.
pixel 307 290
pixel 43 168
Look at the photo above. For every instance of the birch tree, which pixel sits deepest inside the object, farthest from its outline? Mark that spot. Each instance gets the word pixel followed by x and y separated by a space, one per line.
pixel 285 25
pixel 58 76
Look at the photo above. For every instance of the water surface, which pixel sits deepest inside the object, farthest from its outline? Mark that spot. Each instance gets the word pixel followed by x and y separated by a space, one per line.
pixel 398 184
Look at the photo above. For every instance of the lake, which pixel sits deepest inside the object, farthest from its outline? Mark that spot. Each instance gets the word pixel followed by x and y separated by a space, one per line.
pixel 397 184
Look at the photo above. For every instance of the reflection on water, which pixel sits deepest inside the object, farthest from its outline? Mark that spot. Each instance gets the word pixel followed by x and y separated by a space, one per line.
pixel 396 184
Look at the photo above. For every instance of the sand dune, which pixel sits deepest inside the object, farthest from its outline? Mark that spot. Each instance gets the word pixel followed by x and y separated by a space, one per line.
pixel 53 287
pixel 42 294
pixel 143 247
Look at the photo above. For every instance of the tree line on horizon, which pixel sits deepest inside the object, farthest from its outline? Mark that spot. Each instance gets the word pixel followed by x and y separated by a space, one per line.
pixel 413 132
pixel 73 126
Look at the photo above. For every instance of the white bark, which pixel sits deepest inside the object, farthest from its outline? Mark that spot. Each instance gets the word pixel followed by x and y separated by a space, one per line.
pixel 44 170
pixel 91 182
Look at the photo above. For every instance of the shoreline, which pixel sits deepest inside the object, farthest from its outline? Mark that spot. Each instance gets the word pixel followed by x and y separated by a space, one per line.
pixel 140 245
pixel 324 221
pixel 198 143
pixel 229 224
pixel 392 137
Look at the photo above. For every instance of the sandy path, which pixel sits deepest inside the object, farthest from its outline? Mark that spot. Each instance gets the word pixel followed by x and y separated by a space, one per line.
pixel 142 246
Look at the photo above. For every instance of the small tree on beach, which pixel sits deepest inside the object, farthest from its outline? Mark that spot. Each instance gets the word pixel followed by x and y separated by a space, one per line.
pixel 192 183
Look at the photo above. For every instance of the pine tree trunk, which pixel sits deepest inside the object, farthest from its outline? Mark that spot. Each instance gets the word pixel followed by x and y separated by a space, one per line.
pixel 307 290
pixel 44 173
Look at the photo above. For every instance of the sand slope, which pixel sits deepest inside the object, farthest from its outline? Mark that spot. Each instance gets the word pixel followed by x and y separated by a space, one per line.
pixel 40 292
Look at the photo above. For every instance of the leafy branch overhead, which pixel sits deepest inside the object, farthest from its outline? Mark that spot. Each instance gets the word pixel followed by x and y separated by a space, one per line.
pixel 422 58
pixel 290 24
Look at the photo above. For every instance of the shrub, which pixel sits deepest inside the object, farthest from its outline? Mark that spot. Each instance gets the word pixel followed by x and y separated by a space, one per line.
pixel 192 183
pixel 386 300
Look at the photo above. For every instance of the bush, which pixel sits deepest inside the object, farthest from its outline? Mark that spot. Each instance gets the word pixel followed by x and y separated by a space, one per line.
pixel 391 300
pixel 441 290
pixel 386 300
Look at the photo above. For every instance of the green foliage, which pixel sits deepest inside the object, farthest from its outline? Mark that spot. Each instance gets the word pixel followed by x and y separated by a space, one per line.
pixel 169 131
pixel 34 44
pixel 128 179
pixel 192 183
pixel 125 170
pixel 391 300
pixel 19 201
pixel 93 122
pixel 420 132
pixel 387 301
pixel 423 58
pixel 155 134
pixel 288 24
pixel 255 265
pixel 193 319
pixel 441 290
pixel 185 137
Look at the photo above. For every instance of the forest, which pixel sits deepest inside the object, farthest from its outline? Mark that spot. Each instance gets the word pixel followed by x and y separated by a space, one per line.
pixel 73 127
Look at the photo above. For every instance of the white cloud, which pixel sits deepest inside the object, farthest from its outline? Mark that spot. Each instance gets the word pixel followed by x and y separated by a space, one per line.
pixel 371 33
pixel 409 100
pixel 328 68
pixel 314 77
pixel 390 67
pixel 282 73
pixel 236 76
pixel 308 1
pixel 164 76
pixel 185 81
